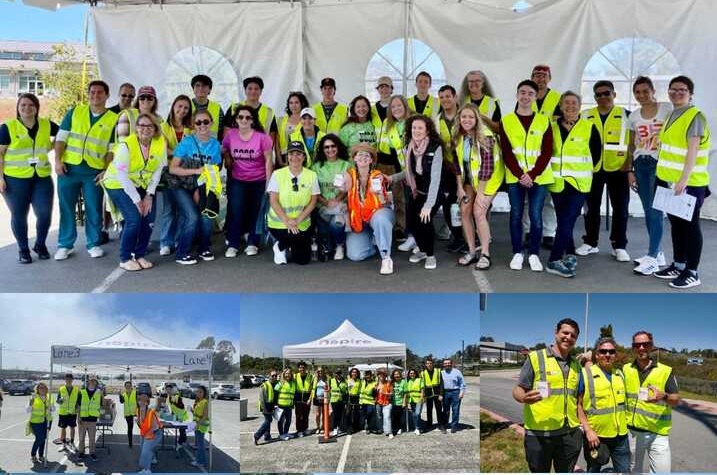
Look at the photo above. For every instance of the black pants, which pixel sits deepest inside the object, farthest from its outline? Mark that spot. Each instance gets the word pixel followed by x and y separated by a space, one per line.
pixel 130 426
pixel 298 244
pixel 337 415
pixel 302 416
pixel 430 404
pixel 618 190
pixel 449 193
pixel 687 235
pixel 423 232
pixel 353 416
pixel 561 452
pixel 397 416
pixel 182 436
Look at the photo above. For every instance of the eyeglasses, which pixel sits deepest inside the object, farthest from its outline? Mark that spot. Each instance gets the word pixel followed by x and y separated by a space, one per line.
pixel 243 117
pixel 145 126
pixel 645 344
pixel 146 98
pixel 364 155
pixel 603 94
pixel 127 96
pixel 607 352
pixel 678 90
pixel 295 183
pixel 202 122
pixel 329 146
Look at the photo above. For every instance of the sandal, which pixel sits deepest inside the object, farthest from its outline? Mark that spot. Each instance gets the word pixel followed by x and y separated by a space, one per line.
pixel 144 263
pixel 483 262
pixel 130 265
pixel 467 259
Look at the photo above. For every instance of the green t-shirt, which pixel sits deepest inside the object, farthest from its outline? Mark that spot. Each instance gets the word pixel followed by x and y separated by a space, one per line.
pixel 399 390
pixel 326 172
pixel 355 132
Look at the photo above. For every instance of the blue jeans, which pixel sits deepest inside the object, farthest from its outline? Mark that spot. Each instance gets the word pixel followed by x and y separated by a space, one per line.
pixel 39 430
pixel 568 206
pixel 284 421
pixel 19 194
pixel 245 201
pixel 416 409
pixel 368 417
pixel 168 236
pixel 619 454
pixel 359 245
pixel 386 418
pixel 79 177
pixel 536 198
pixel 330 232
pixel 645 167
pixel 201 451
pixel 149 447
pixel 452 401
pixel 191 224
pixel 136 230
pixel 264 428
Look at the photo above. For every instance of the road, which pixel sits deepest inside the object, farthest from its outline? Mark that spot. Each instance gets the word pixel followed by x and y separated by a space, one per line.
pixel 693 437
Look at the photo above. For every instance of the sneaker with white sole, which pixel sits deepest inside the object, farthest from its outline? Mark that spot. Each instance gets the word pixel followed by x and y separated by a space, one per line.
pixel 339 252
pixel 231 252
pixel 165 251
pixel 187 260
pixel 660 259
pixel 620 255
pixel 685 280
pixel 206 255
pixel 96 252
pixel 535 264
pixel 62 253
pixel 559 268
pixel 279 255
pixel 251 250
pixel 648 266
pixel 586 249
pixel 430 263
pixel 408 244
pixel 516 263
pixel 668 273
pixel 417 257
pixel 386 266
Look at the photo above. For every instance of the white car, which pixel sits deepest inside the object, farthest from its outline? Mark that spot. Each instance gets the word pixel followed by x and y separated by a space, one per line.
pixel 162 387
pixel 225 391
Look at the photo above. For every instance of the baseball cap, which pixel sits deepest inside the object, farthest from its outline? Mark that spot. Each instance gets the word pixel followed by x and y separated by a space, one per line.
pixel 296 146
pixel 308 111
pixel 328 82
pixel 147 91
pixel 384 81
pixel 541 68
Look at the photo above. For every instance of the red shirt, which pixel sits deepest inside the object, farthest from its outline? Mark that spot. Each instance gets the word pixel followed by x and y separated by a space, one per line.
pixel 546 150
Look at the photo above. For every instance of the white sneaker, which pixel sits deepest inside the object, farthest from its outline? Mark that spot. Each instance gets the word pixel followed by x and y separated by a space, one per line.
pixel 417 257
pixel 430 263
pixel 365 431
pixel 417 432
pixel 399 431
pixel 231 252
pixel 586 249
pixel 648 266
pixel 339 252
pixel 279 256
pixel 621 255
pixel 62 253
pixel 96 251
pixel 408 244
pixel 165 251
pixel 661 259
pixel 535 264
pixel 390 436
pixel 386 266
pixel 251 251
pixel 334 432
pixel 517 262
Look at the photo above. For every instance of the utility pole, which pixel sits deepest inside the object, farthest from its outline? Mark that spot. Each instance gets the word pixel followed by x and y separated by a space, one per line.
pixel 0 359
pixel 587 307
pixel 463 351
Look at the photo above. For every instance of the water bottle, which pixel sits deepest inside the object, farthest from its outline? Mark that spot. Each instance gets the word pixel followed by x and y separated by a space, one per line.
pixel 314 250
pixel 455 215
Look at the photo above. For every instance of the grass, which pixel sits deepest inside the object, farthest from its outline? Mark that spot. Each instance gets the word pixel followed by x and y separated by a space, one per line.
pixel 699 397
pixel 501 449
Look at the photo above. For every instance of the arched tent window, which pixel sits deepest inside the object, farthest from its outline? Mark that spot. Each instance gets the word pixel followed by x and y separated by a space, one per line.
pixel 623 60
pixel 200 60
pixel 401 60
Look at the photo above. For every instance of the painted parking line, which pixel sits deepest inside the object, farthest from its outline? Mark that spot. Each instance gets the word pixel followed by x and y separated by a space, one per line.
pixel 482 281
pixel 344 455
pixel 109 280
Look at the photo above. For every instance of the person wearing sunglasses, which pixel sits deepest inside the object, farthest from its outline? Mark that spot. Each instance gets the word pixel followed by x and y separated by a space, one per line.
pixel 683 165
pixel 652 392
pixel 293 192
pixel 601 410
pixel 547 387
pixel 612 124
pixel 196 154
pixel 359 127
pixel 131 181
pixel 248 157
pixel 146 103
pixel 126 94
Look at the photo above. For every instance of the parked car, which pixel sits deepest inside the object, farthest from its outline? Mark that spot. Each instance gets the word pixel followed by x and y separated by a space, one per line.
pixel 24 387
pixel 224 391
pixel 4 384
pixel 188 389
pixel 162 387
pixel 246 382
pixel 144 388
pixel 257 380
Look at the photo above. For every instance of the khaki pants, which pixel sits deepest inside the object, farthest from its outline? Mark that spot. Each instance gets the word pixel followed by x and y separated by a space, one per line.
pixel 89 428
pixel 399 197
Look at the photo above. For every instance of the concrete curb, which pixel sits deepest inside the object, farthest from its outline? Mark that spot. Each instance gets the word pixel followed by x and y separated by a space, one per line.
pixel 517 428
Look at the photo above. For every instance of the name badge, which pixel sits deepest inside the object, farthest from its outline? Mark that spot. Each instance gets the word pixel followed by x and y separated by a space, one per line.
pixel 544 389
pixel 34 160
pixel 643 394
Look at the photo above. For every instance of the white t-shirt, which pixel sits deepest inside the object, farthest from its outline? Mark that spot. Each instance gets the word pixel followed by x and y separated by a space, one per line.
pixel 647 131
pixel 273 185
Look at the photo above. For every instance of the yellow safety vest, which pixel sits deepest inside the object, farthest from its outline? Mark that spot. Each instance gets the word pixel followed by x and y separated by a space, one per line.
pixel 496 179
pixel 132 115
pixel 304 386
pixel 293 202
pixel 431 109
pixel 355 389
pixel 287 389
pixel 572 161
pixel 614 137
pixel 170 136
pixel 210 176
pixel 69 401
pixel 201 408
pixel 414 389
pixel 140 170
pixel 673 150
pixel 377 122
pixel 367 392
pixel 487 106
pixel 283 136
pixel 559 409
pixel 269 395
pixel 214 110
pixel 89 142
pixel 604 402
pixel 179 413
pixel 130 402
pixel 550 102
pixel 24 156
pixel 655 417
pixel 526 146
pixel 297 136
pixel 338 390
pixel 41 409
pixel 90 407
pixel 335 122
pixel 266 114
pixel 445 133
pixel 392 139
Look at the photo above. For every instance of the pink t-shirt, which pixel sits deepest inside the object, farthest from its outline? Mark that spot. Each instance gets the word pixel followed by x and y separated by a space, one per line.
pixel 249 163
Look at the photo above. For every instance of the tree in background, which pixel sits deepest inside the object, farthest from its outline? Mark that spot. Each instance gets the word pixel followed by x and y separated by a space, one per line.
pixel 606 331
pixel 223 359
pixel 64 82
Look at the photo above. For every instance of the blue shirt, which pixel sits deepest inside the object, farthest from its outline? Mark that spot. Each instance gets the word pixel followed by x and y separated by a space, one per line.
pixel 581 382
pixel 194 153
pixel 453 380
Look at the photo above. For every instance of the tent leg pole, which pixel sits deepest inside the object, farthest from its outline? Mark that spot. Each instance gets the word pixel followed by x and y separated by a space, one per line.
pixel 49 393
pixel 211 428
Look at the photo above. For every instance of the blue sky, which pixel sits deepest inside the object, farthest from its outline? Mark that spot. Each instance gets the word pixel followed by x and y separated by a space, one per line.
pixel 427 323
pixel 22 22
pixel 676 320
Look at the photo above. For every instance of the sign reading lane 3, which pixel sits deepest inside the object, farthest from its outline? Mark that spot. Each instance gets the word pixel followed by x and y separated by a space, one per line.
pixel 65 354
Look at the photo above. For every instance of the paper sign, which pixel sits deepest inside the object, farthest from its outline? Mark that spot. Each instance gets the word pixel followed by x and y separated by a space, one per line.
pixel 682 206
pixel 643 394
pixel 543 389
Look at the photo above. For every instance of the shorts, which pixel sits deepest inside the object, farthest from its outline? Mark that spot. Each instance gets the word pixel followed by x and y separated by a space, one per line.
pixel 318 402
pixel 67 420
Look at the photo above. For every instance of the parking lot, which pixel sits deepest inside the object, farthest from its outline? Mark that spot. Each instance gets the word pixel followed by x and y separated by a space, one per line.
pixel 116 456
pixel 429 452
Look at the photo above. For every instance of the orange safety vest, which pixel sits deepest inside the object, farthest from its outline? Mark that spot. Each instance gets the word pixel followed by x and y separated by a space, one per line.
pixel 359 212
pixel 385 391
pixel 145 427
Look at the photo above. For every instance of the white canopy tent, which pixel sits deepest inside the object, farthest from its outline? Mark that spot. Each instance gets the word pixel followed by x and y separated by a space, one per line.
pixel 344 345
pixel 130 350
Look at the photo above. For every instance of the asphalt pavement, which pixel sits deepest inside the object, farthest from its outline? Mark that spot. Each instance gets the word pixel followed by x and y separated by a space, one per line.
pixel 117 456
pixel 693 437
pixel 428 452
